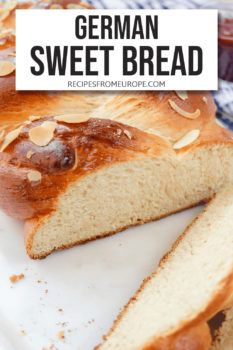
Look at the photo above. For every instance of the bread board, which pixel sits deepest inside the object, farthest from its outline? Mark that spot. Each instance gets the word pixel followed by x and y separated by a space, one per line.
pixel 77 293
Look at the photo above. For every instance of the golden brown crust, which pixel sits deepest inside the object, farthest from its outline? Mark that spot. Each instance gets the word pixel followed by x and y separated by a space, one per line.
pixel 157 112
pixel 194 338
pixel 152 111
pixel 17 106
pixel 187 330
pixel 74 151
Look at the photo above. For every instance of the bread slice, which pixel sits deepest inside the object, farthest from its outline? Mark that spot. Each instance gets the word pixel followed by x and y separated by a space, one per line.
pixel 193 282
pixel 94 177
pixel 224 335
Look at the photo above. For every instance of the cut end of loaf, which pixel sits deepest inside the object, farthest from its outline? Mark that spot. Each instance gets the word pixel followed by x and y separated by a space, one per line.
pixel 129 193
pixel 172 301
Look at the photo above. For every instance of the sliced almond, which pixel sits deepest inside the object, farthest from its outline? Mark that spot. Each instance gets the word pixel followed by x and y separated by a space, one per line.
pixel 71 118
pixel 159 134
pixel 41 135
pixel 34 176
pixel 55 7
pixel 128 134
pixel 154 132
pixel 183 113
pixel 75 159
pixel 10 137
pixel 187 139
pixel 182 95
pixel 119 132
pixel 6 68
pixel 217 121
pixel 32 118
pixel 29 154
pixel 204 98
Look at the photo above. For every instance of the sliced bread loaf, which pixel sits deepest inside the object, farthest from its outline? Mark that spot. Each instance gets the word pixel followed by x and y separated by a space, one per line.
pixel 73 182
pixel 194 282
pixel 77 178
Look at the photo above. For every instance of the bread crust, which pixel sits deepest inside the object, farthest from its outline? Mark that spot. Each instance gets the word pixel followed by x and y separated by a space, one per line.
pixel 184 336
pixel 194 338
pixel 151 111
pixel 75 151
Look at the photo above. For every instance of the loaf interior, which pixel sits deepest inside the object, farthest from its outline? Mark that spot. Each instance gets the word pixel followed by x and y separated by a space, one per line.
pixel 193 281
pixel 124 194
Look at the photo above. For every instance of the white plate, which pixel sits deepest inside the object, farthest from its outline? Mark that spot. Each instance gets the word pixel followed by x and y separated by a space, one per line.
pixel 90 283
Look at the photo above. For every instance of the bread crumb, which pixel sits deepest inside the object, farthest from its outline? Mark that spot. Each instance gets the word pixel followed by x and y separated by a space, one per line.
pixel 60 310
pixel 16 278
pixel 23 332
pixel 61 335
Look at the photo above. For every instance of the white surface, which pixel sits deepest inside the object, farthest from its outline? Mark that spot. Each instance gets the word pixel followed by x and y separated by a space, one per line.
pixel 90 283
